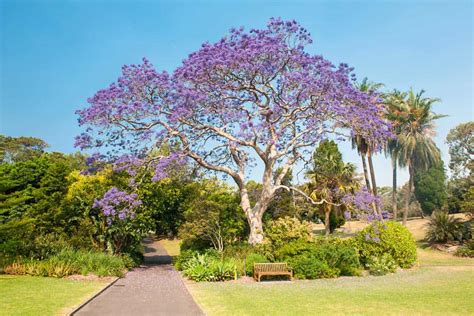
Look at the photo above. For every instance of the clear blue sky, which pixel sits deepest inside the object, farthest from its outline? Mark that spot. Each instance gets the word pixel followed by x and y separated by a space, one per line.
pixel 55 54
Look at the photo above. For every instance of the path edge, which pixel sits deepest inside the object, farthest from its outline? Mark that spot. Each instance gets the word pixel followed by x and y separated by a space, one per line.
pixel 93 297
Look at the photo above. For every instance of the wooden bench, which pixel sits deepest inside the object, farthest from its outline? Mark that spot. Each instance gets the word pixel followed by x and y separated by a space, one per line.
pixel 278 268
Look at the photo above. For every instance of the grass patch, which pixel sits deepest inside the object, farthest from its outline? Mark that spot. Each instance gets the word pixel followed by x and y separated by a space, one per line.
pixel 25 295
pixel 171 246
pixel 426 291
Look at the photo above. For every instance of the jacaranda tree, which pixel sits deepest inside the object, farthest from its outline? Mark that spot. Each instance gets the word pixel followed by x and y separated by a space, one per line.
pixel 250 97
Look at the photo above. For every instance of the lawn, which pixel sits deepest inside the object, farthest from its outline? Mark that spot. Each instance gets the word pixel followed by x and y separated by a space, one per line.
pixel 423 291
pixel 440 284
pixel 25 295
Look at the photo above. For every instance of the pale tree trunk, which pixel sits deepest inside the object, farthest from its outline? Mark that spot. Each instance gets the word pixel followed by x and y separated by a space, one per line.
pixel 255 214
pixel 408 195
pixel 394 189
pixel 327 213
pixel 366 173
pixel 372 177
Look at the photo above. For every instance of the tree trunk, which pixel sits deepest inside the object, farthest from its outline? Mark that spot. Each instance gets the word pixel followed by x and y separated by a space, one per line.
pixel 372 177
pixel 327 226
pixel 366 173
pixel 256 229
pixel 394 189
pixel 254 216
pixel 408 195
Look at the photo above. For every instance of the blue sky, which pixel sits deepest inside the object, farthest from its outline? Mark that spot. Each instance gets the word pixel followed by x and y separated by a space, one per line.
pixel 56 54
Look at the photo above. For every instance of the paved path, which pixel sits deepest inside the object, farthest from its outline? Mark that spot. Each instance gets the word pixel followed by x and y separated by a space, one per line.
pixel 154 288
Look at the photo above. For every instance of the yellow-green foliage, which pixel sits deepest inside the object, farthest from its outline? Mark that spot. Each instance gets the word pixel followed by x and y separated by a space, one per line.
pixel 390 238
pixel 282 231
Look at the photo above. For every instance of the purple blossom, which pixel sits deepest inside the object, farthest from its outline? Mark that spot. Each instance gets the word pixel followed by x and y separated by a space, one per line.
pixel 117 204
pixel 362 203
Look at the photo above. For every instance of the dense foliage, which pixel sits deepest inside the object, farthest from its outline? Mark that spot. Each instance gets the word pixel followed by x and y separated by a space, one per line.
pixel 386 238
pixel 213 218
pixel 430 188
pixel 282 231
pixel 323 258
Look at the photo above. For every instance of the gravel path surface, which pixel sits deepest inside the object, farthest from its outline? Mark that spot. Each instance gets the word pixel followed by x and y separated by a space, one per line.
pixel 154 288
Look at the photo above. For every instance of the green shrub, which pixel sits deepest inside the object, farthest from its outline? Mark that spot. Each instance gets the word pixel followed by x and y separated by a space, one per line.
pixel 390 238
pixel 69 262
pixel 251 259
pixel 308 266
pixel 335 221
pixel 206 267
pixel 381 265
pixel 282 231
pixel 443 228
pixel 183 258
pixel 466 251
pixel 323 258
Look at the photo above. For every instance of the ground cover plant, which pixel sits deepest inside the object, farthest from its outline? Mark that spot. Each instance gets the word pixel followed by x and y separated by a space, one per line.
pixel 69 262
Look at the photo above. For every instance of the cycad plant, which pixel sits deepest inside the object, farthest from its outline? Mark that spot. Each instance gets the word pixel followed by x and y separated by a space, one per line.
pixel 444 228
pixel 330 179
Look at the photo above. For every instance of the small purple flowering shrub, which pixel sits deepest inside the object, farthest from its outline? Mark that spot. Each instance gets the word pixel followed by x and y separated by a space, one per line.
pixel 122 227
pixel 386 238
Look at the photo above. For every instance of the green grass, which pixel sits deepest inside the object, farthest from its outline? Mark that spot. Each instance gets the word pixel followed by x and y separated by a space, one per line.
pixel 423 291
pixel 25 295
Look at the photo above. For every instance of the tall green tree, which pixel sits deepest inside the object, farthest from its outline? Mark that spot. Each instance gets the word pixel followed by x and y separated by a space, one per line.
pixel 330 178
pixel 430 188
pixel 415 147
pixel 461 149
pixel 16 149
pixel 363 147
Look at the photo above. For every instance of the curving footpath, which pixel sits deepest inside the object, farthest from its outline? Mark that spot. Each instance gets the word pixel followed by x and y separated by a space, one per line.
pixel 154 288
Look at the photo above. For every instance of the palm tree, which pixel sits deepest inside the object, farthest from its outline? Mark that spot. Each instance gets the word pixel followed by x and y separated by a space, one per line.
pixel 415 148
pixel 363 148
pixel 394 108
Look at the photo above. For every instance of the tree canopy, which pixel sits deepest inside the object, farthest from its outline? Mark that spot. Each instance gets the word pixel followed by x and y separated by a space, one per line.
pixel 251 96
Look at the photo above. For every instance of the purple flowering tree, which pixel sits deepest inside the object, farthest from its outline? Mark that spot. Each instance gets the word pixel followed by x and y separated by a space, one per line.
pixel 252 97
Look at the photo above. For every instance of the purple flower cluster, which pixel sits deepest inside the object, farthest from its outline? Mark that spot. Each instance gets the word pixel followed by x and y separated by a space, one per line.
pixel 116 204
pixel 362 203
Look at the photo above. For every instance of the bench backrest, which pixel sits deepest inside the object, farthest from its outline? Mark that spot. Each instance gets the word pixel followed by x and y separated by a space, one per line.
pixel 270 267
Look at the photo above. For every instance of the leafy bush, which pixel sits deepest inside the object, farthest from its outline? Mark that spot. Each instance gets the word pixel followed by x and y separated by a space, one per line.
pixel 251 259
pixel 183 258
pixel 206 267
pixel 213 218
pixel 381 265
pixel 466 251
pixel 335 221
pixel 324 258
pixel 443 228
pixel 69 262
pixel 282 231
pixel 390 238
